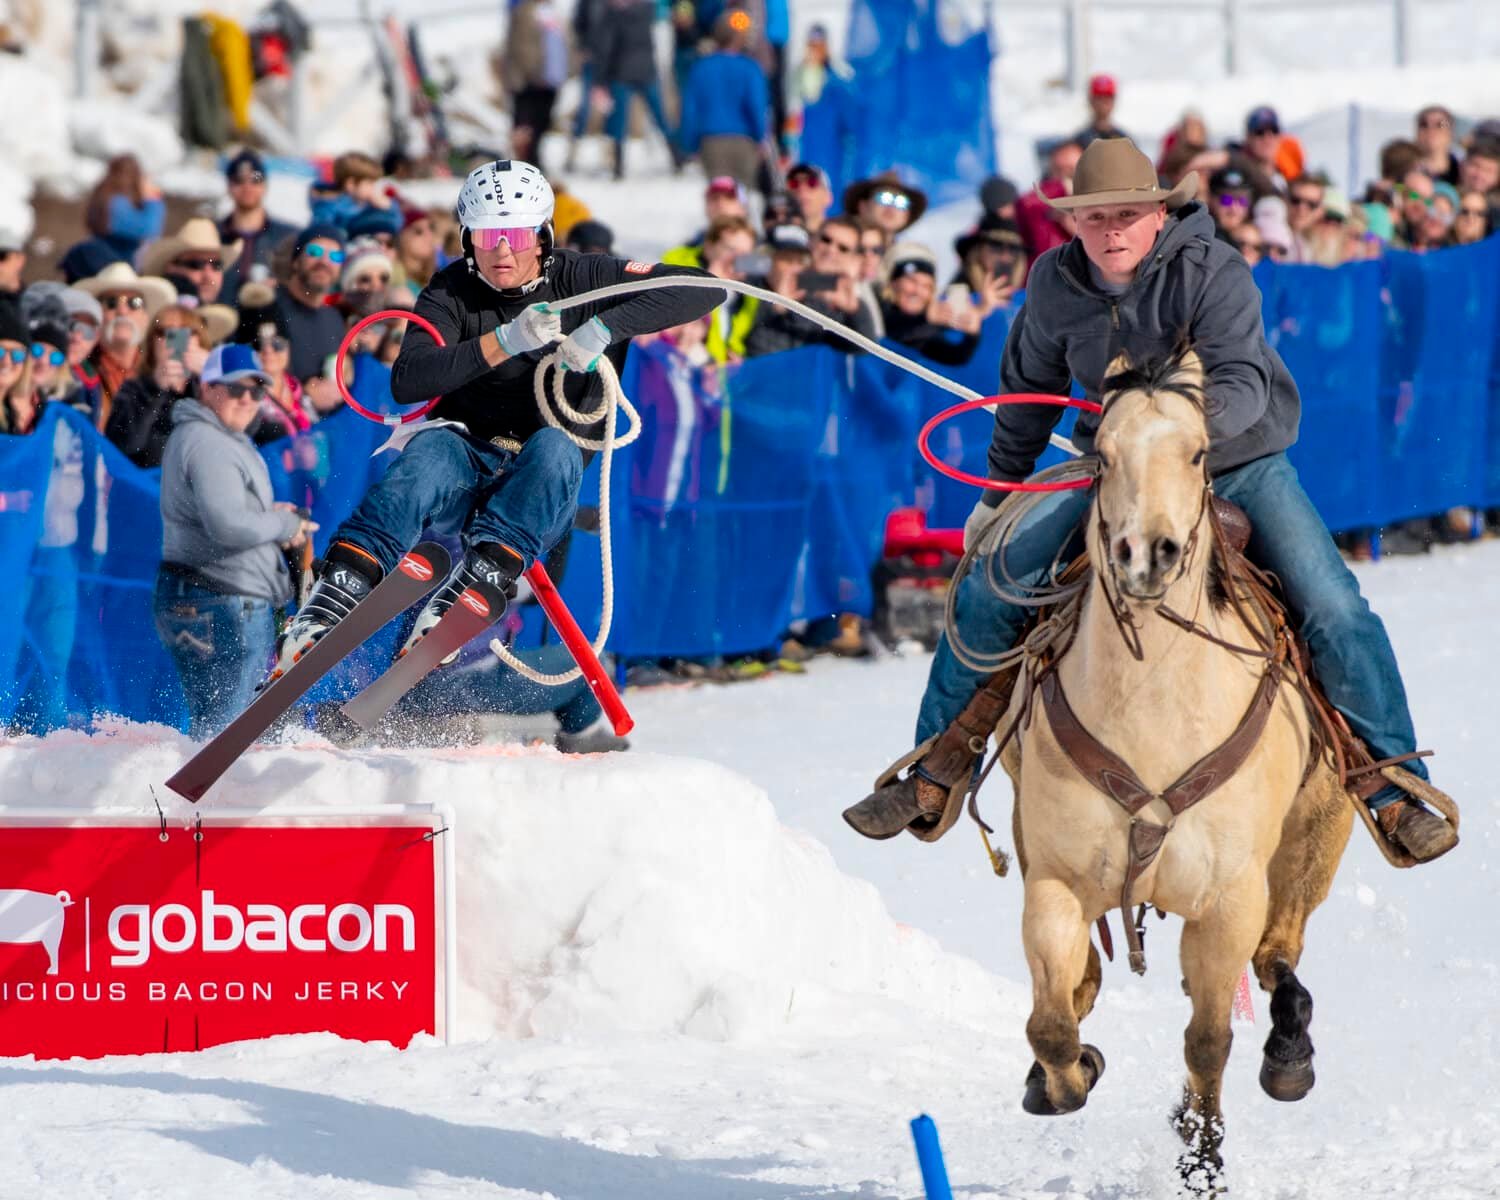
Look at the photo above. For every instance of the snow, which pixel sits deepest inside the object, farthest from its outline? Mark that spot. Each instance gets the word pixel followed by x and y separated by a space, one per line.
pixel 677 985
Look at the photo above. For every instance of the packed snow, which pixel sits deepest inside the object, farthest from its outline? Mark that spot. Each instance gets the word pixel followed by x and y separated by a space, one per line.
pixel 683 978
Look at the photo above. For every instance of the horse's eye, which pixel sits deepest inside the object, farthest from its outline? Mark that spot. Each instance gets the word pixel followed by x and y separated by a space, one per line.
pixel 1198 458
pixel 1103 462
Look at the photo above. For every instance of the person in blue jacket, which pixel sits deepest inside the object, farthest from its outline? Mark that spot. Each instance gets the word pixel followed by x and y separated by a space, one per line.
pixel 727 105
pixel 124 211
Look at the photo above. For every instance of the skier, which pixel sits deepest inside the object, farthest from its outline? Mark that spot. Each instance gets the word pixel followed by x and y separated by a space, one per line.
pixel 487 464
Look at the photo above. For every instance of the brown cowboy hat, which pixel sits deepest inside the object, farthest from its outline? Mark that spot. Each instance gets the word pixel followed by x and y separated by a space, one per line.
pixel 887 181
pixel 1113 171
pixel 197 234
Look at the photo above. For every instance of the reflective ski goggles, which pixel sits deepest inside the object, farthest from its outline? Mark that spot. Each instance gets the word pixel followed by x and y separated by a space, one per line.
pixel 519 239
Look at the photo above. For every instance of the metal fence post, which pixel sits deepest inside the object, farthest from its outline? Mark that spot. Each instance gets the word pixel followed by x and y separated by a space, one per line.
pixel 1402 16
pixel 1070 44
pixel 85 49
pixel 1231 37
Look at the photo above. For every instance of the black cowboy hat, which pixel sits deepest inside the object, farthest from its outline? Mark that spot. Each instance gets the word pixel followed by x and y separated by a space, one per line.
pixel 992 229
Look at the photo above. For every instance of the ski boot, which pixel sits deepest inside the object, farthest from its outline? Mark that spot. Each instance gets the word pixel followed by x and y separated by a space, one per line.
pixel 346 575
pixel 488 562
pixel 598 738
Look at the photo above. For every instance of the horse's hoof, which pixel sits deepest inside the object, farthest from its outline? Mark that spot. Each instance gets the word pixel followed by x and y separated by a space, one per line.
pixel 1035 1100
pixel 1286 1081
pixel 1202 1173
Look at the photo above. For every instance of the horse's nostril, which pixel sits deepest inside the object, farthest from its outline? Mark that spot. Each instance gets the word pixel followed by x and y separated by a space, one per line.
pixel 1166 552
pixel 1122 552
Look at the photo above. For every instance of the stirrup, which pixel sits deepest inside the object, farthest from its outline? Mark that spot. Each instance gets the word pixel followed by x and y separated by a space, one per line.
pixel 926 825
pixel 1418 789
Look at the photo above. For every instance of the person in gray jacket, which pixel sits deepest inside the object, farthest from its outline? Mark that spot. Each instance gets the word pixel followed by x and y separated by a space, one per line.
pixel 1144 272
pixel 223 577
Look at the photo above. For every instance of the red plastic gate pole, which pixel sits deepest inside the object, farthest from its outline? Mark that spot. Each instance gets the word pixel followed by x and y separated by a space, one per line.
pixel 588 662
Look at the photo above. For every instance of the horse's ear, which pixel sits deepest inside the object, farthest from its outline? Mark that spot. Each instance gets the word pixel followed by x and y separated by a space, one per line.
pixel 1187 370
pixel 1118 365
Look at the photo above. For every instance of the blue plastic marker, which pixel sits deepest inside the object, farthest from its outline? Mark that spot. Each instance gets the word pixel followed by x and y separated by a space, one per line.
pixel 930 1158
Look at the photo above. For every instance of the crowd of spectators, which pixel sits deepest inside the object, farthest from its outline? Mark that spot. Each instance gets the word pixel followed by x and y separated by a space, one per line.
pixel 141 311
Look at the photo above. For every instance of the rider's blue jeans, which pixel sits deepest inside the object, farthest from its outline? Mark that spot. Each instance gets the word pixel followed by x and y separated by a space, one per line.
pixel 453 482
pixel 1350 649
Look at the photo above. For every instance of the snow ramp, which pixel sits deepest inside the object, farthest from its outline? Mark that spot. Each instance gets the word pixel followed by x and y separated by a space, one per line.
pixel 627 893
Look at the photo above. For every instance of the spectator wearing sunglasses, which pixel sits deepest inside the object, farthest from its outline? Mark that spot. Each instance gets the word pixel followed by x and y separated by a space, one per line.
pixel 1305 211
pixel 1481 169
pixel 284 411
pixel 887 201
pixel 17 389
pixel 1473 220
pixel 1230 197
pixel 726 108
pixel 249 224
pixel 809 188
pixel 366 277
pixel 1435 141
pixel 222 575
pixel 303 307
pixel 193 260
pixel 140 420
pixel 128 303
pixel 54 348
pixel 831 285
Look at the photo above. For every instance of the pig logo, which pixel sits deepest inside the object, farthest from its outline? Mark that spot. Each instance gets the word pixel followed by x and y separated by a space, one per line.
pixel 34 917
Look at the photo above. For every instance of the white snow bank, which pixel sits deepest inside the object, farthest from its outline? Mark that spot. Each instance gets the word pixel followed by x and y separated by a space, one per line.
pixel 634 894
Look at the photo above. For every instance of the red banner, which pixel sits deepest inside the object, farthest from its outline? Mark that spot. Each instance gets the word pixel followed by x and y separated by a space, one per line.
pixel 114 941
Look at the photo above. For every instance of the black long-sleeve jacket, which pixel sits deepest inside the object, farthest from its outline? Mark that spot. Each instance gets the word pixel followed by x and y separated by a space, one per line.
pixel 500 401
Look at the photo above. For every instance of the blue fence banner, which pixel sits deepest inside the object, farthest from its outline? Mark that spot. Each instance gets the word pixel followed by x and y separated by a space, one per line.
pixel 757 494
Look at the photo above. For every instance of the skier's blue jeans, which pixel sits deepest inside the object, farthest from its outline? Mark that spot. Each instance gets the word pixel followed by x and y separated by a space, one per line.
pixel 457 483
pixel 220 645
pixel 1350 650
pixel 489 686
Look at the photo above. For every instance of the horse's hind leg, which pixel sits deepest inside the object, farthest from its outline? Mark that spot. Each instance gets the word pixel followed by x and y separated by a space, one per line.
pixel 1214 949
pixel 1058 951
pixel 1300 876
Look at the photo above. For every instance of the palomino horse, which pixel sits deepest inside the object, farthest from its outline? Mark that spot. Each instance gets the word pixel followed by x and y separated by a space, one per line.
pixel 1171 692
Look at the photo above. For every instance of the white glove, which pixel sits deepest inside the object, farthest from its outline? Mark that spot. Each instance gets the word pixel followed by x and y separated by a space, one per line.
pixel 975 527
pixel 582 349
pixel 537 326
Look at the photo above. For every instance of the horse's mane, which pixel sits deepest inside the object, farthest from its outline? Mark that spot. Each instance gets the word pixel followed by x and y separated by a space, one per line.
pixel 1154 375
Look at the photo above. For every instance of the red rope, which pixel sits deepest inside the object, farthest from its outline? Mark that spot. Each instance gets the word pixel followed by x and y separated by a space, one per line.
pixel 984 402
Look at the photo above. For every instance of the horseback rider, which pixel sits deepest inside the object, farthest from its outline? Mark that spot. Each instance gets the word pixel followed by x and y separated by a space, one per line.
pixel 1143 270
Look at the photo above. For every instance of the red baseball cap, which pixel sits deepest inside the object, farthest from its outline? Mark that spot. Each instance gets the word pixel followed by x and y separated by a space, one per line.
pixel 1102 85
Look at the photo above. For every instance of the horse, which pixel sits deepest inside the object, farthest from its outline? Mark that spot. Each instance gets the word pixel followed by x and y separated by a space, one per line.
pixel 1124 791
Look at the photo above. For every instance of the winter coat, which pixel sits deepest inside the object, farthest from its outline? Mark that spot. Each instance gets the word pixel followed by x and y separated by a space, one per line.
pixel 258 250
pixel 500 401
pixel 937 342
pixel 1191 283
pixel 536 47
pixel 140 421
pixel 726 94
pixel 620 41
pixel 778 329
pixel 217 509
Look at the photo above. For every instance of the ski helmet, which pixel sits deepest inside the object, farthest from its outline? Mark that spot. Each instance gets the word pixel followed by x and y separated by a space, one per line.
pixel 503 194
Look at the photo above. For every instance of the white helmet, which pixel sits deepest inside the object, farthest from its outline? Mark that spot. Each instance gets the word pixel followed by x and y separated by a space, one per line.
pixel 506 193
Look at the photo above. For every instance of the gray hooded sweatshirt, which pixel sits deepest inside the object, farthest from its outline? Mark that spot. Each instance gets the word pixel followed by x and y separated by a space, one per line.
pixel 1191 283
pixel 216 509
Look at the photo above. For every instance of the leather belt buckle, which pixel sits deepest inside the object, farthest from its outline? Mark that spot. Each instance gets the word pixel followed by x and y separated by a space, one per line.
pixel 505 443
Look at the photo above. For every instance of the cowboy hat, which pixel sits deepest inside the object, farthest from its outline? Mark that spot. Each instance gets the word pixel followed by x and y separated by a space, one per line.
pixel 997 231
pixel 198 234
pixel 121 277
pixel 863 189
pixel 1113 171
pixel 219 321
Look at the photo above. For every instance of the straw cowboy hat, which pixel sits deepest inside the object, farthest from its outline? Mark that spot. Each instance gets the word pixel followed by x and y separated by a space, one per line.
pixel 219 321
pixel 197 235
pixel 121 277
pixel 1113 171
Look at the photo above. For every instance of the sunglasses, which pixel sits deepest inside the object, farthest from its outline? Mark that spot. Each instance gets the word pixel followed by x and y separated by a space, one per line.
pixel 316 251
pixel 518 239
pixel 1229 200
pixel 1277 252
pixel 120 303
pixel 796 182
pixel 256 391
pixel 83 329
pixel 246 177
pixel 200 264
pixel 278 344
pixel 841 247
pixel 367 283
pixel 1303 202
pixel 1472 212
pixel 1412 194
pixel 877 251
pixel 54 356
pixel 16 355
pixel 1434 123
pixel 892 200
pixel 1269 131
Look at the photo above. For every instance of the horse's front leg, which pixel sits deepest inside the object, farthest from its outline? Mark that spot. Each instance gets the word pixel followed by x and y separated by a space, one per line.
pixel 1215 948
pixel 1056 938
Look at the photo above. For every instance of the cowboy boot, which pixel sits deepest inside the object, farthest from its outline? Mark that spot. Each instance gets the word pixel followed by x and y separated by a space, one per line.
pixel 1418 830
pixel 893 806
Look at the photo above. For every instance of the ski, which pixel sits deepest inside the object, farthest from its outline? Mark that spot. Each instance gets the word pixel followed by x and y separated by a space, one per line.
pixel 412 579
pixel 477 608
